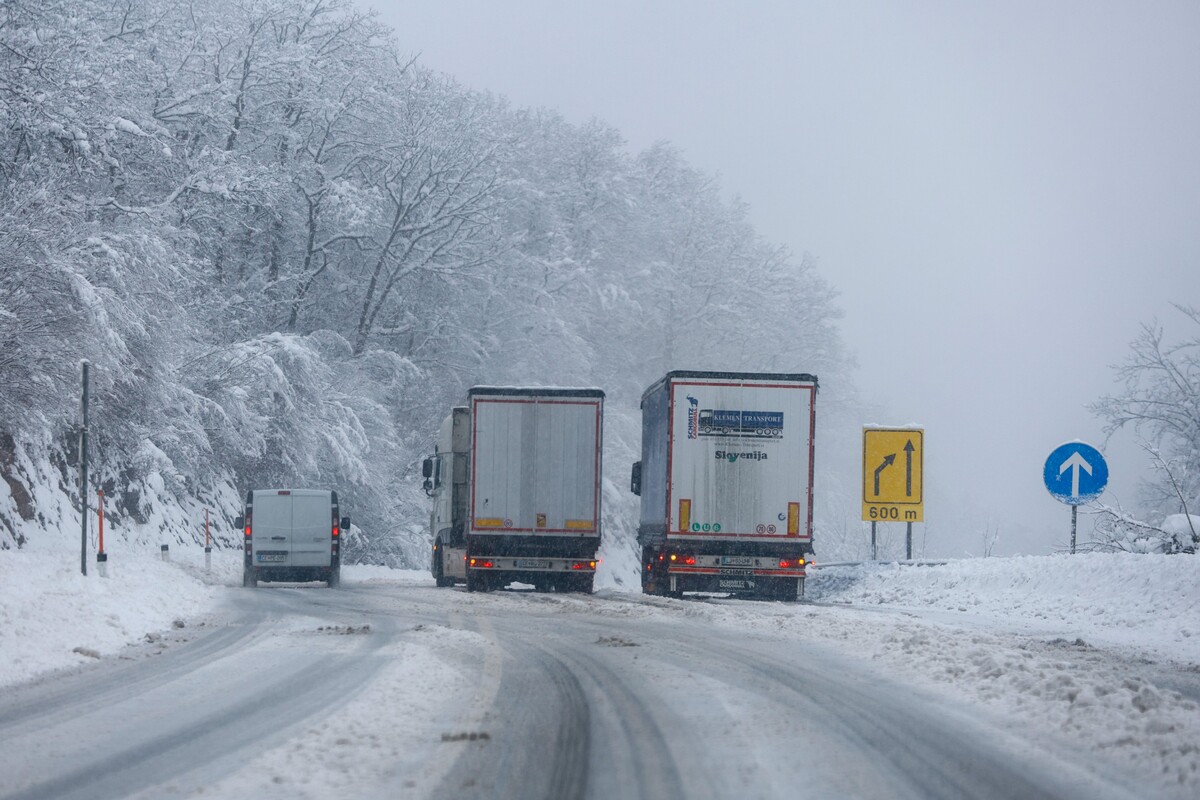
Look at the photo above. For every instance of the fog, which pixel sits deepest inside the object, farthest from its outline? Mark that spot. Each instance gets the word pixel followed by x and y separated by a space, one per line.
pixel 1001 194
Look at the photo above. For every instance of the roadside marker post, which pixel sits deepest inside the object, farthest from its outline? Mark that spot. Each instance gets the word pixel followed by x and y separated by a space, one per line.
pixel 101 556
pixel 1075 473
pixel 207 545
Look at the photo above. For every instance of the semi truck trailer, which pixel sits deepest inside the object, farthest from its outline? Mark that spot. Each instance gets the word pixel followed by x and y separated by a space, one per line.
pixel 516 487
pixel 726 483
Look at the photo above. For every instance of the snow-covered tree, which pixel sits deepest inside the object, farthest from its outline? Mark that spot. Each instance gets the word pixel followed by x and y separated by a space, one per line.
pixel 1160 402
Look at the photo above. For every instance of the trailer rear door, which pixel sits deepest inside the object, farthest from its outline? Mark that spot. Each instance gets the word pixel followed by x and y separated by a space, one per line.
pixel 535 464
pixel 741 459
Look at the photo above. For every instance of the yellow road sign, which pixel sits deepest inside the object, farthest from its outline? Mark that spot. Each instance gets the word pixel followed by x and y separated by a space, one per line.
pixel 893 484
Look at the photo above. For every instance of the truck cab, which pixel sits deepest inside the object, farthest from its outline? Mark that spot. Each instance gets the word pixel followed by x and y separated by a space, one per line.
pixel 445 474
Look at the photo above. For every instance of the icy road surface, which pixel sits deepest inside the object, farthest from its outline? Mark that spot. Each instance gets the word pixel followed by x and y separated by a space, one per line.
pixel 390 689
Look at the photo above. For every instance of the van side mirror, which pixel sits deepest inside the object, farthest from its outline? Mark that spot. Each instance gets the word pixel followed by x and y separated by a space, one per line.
pixel 635 479
pixel 345 523
pixel 428 487
pixel 427 468
pixel 239 522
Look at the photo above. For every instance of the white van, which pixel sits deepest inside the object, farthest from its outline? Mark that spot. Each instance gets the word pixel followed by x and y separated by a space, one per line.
pixel 292 535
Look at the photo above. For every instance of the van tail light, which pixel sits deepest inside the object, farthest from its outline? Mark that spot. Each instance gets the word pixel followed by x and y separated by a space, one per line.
pixel 335 531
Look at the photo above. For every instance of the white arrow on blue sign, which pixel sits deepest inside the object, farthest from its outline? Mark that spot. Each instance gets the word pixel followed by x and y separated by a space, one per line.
pixel 1075 473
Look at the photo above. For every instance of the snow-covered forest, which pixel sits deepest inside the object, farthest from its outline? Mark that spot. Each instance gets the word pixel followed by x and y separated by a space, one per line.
pixel 287 248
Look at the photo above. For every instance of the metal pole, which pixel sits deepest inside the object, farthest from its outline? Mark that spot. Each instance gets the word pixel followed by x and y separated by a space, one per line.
pixel 1074 513
pixel 874 551
pixel 83 471
pixel 908 543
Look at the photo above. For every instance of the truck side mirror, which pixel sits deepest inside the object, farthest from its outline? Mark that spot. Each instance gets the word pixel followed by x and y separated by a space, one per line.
pixel 428 487
pixel 239 522
pixel 345 524
pixel 427 468
pixel 635 479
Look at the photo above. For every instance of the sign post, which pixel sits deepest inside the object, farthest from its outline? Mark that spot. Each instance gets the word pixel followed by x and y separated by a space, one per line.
pixel 893 479
pixel 1075 473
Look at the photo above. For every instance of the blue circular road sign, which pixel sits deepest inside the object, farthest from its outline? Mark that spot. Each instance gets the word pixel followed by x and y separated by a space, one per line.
pixel 1075 473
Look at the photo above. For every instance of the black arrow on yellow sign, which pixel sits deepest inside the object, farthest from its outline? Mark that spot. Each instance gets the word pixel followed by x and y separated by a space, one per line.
pixel 908 451
pixel 888 460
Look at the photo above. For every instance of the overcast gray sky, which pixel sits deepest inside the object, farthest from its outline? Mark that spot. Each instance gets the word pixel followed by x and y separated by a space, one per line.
pixel 1001 192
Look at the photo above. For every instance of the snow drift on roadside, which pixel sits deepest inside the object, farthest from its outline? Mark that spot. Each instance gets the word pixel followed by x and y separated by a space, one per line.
pixel 1139 603
pixel 51 616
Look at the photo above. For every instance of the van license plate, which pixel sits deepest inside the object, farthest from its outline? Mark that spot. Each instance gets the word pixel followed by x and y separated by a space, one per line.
pixel 532 563
pixel 272 556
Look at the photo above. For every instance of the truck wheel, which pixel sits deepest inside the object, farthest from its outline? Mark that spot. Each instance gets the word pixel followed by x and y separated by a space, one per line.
pixel 649 579
pixel 786 590
pixel 249 577
pixel 439 569
pixel 473 581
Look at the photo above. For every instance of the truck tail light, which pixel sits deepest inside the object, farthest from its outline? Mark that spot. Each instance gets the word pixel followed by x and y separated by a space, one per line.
pixel 482 563
pixel 584 565
pixel 785 563
pixel 690 560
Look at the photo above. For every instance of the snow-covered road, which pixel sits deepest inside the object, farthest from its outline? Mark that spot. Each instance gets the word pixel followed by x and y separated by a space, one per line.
pixel 391 688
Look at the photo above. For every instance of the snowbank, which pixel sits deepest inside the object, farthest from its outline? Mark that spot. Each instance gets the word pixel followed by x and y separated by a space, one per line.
pixel 52 617
pixel 1147 604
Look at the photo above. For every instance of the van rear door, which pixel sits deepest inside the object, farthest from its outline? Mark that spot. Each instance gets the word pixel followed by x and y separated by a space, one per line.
pixel 272 529
pixel 312 528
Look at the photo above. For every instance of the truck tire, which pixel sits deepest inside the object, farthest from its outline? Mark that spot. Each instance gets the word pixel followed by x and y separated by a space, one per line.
pixel 473 581
pixel 650 578
pixel 786 590
pixel 439 569
pixel 249 577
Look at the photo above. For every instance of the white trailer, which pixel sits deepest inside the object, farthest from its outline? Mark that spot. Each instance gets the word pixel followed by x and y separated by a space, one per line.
pixel 532 492
pixel 726 482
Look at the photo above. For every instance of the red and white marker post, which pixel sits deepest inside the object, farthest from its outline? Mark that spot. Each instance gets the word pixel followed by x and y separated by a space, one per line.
pixel 101 556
